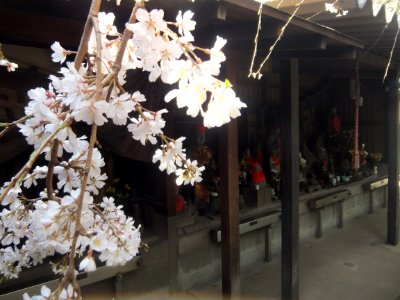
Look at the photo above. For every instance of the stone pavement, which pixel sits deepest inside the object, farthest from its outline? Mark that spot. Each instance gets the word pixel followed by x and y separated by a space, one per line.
pixel 352 263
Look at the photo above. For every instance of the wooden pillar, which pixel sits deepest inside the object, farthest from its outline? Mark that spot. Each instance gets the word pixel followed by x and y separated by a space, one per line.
pixel 290 178
pixel 169 191
pixel 229 197
pixel 393 160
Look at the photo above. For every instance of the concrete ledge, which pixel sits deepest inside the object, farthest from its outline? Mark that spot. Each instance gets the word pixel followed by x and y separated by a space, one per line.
pixel 200 258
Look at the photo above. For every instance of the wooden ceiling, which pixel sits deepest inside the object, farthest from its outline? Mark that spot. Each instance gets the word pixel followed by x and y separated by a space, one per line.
pixel 38 23
pixel 358 23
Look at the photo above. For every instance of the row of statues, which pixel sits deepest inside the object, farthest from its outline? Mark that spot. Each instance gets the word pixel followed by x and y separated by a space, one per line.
pixel 323 163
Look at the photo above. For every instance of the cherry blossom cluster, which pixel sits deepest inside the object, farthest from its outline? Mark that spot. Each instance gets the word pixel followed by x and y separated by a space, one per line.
pixel 334 8
pixel 33 229
pixel 67 219
pixel 8 64
pixel 4 62
pixel 165 54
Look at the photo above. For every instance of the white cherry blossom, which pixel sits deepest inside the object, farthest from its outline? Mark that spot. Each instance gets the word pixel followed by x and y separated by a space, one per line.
pixel 9 65
pixel 170 156
pixel 148 22
pixel 147 126
pixel 106 23
pixel 68 293
pixel 59 53
pixel 216 51
pixel 190 173
pixel 87 264
pixel 99 243
pixel 119 109
pixel 92 112
pixel 45 294
pixel 186 25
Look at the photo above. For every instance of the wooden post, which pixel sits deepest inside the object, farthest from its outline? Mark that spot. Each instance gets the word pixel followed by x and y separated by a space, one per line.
pixel 229 197
pixel 290 178
pixel 393 160
pixel 171 193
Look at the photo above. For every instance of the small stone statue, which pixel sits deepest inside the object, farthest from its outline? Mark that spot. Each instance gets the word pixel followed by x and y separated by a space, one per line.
pixel 275 165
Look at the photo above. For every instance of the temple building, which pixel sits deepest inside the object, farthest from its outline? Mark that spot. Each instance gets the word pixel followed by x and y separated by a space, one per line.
pixel 317 145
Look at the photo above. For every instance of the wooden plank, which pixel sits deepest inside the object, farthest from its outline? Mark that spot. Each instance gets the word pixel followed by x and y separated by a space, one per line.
pixel 329 199
pixel 290 178
pixel 393 160
pixel 377 184
pixel 229 193
pixel 268 220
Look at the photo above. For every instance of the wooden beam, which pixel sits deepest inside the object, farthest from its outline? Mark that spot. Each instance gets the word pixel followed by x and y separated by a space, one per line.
pixel 376 61
pixel 297 22
pixel 229 193
pixel 239 32
pixel 290 178
pixel 348 21
pixel 329 53
pixel 393 160
pixel 368 28
pixel 302 42
pixel 351 6
pixel 314 8
pixel 290 46
pixel 21 27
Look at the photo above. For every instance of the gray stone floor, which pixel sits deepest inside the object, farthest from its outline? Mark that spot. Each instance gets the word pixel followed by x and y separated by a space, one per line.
pixel 351 263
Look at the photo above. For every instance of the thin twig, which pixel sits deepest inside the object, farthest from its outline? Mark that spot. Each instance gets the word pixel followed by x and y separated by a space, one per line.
pixel 257 74
pixel 10 126
pixel 256 38
pixel 93 137
pixel 98 212
pixel 34 156
pixel 126 35
pixel 391 54
pixel 314 15
pixel 99 50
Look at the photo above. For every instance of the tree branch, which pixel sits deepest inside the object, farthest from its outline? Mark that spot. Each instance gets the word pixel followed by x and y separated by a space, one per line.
pixel 127 34
pixel 10 126
pixel 87 31
pixel 34 156
pixel 50 169
pixel 93 138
